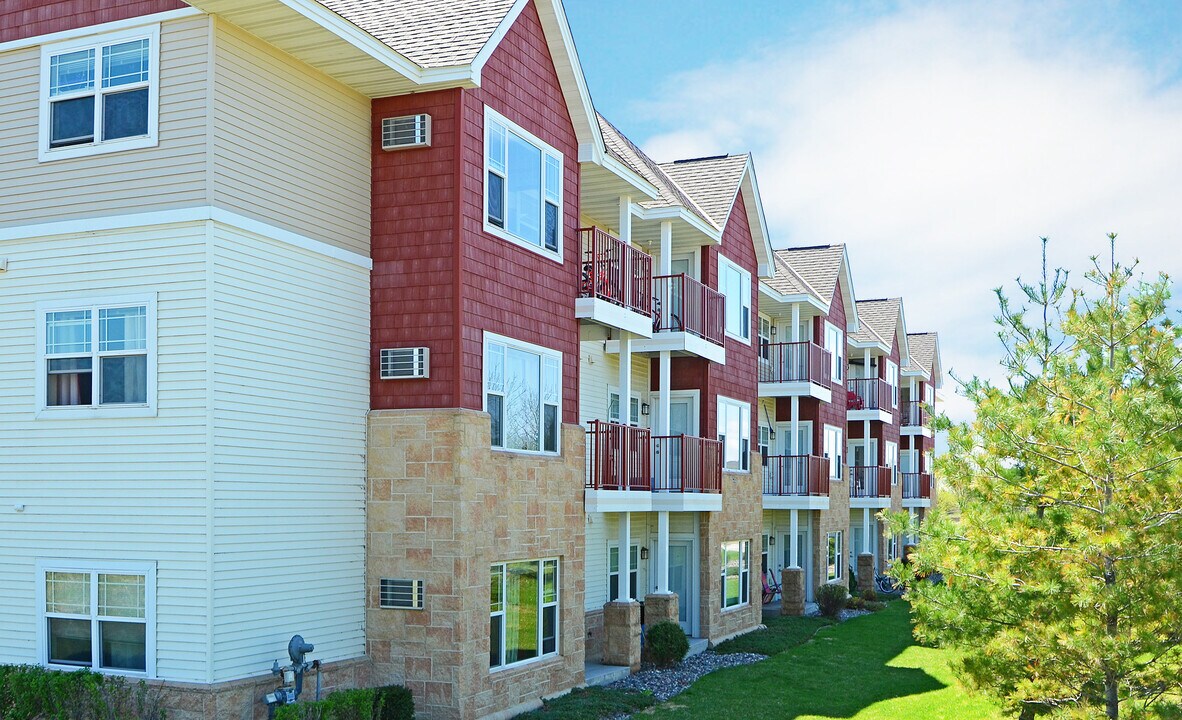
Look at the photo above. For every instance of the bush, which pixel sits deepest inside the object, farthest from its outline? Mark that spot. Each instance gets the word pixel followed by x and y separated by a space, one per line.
pixel 875 605
pixel 394 702
pixel 35 693
pixel 666 643
pixel 852 578
pixel 854 602
pixel 831 599
pixel 869 595
pixel 360 704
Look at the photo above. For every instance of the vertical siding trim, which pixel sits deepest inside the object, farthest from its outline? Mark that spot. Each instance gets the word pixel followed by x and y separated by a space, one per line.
pixel 209 448
pixel 211 100
pixel 458 260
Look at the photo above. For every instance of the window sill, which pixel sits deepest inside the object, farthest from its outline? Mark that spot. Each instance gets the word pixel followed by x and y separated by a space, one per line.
pixel 102 671
pixel 529 453
pixel 95 413
pixel 526 664
pixel 513 239
pixel 102 148
pixel 736 608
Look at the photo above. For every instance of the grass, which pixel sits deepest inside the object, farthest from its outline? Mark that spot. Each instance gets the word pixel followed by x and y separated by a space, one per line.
pixel 783 633
pixel 867 668
pixel 591 703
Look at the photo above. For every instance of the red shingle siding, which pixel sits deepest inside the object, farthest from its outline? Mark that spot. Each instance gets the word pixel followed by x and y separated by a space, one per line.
pixel 30 18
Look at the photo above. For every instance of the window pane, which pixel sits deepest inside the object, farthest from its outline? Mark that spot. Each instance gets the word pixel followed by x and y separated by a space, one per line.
pixel 550 581
pixel 496 639
pixel 494 370
pixel 495 405
pixel 69 382
pixel 67 593
pixel 551 227
pixel 121 596
pixel 523 204
pixel 522 400
pixel 496 199
pixel 125 63
pixel 124 380
pixel 551 428
pixel 550 629
pixel 551 384
pixel 125 114
pixel 553 179
pixel 122 645
pixel 69 642
pixel 71 122
pixel 521 611
pixel 123 329
pixel 71 72
pixel 496 146
pixel 67 332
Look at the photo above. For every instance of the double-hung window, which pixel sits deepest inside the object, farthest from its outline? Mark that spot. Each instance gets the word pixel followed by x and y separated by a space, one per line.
pixel 734 432
pixel 736 573
pixel 97 358
pixel 834 557
pixel 835 346
pixel 99 94
pixel 765 442
pixel 523 611
pixel 523 394
pixel 892 378
pixel 765 339
pixel 613 408
pixel 613 571
pixel 523 187
pixel 97 616
pixel 735 284
pixel 892 461
pixel 832 450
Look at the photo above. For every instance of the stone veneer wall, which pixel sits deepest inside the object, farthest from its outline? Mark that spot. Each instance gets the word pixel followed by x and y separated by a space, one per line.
pixel 741 518
pixel 593 648
pixel 443 507
pixel 837 517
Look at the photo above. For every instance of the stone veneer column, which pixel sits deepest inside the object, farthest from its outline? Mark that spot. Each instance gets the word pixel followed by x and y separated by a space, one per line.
pixel 865 571
pixel 621 634
pixel 792 594
pixel 659 607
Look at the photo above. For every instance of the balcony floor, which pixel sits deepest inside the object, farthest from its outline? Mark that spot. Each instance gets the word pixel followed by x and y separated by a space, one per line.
pixel 796 389
pixel 613 316
pixel 678 343
pixel 795 502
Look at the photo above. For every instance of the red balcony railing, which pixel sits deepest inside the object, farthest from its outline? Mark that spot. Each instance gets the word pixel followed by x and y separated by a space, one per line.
pixel 916 486
pixel 868 394
pixel 683 463
pixel 682 304
pixel 794 362
pixel 618 457
pixel 795 475
pixel 615 271
pixel 870 481
pixel 915 414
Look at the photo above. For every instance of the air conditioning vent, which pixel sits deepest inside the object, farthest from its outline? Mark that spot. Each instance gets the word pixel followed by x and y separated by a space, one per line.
pixel 405 594
pixel 405 363
pixel 409 131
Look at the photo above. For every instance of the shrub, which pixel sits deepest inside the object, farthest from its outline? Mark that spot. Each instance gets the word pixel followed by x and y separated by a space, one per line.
pixel 869 595
pixel 394 702
pixel 360 704
pixel 854 602
pixel 35 693
pixel 831 599
pixel 852 578
pixel 875 605
pixel 666 643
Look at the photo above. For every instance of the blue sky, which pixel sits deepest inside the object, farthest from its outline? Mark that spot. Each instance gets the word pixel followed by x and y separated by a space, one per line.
pixel 939 141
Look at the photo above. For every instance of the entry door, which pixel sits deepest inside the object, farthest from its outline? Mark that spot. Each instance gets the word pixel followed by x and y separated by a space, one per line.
pixel 862 453
pixel 681 581
pixel 681 422
pixel 804 438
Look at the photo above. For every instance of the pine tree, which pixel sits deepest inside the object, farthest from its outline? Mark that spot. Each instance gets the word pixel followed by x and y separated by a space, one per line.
pixel 1062 576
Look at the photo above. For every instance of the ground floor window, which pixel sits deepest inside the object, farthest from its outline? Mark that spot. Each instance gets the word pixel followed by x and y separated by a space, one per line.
pixel 736 573
pixel 613 571
pixel 834 560
pixel 523 611
pixel 98 616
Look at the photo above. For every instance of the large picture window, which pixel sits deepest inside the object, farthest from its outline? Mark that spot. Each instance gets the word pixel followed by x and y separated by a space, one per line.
pixel 523 187
pixel 522 394
pixel 736 573
pixel 523 611
pixel 735 284
pixel 97 356
pixel 734 432
pixel 99 94
pixel 98 617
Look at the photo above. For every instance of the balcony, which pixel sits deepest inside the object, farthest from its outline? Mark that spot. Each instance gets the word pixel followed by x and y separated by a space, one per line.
pixel 615 286
pixel 687 319
pixel 917 489
pixel 870 486
pixel 629 470
pixel 916 419
pixel 794 369
pixel 869 399
pixel 799 482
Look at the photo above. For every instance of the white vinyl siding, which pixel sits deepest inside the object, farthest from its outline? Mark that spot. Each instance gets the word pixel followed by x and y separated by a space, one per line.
pixel 169 175
pixel 599 375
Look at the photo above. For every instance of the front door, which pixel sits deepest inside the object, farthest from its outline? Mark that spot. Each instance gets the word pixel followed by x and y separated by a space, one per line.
pixel 681 422
pixel 681 581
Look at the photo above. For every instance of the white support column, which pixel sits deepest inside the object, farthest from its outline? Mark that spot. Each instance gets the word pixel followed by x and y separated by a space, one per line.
pixel 866 530
pixel 622 594
pixel 794 333
pixel 911 523
pixel 794 441
pixel 663 552
pixel 626 219
pixel 665 262
pixel 793 529
pixel 625 377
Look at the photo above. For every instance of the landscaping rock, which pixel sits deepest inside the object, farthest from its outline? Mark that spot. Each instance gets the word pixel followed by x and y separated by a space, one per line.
pixel 664 684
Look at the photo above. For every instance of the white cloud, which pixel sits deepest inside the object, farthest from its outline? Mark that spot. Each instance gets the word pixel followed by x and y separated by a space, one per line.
pixel 939 143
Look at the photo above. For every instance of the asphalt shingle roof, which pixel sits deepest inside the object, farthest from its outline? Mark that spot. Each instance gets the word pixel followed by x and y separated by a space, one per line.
pixel 711 182
pixel 923 350
pixel 430 33
pixel 879 320
pixel 816 269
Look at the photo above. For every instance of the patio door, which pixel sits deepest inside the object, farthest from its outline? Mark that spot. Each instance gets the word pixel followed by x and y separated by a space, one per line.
pixel 682 421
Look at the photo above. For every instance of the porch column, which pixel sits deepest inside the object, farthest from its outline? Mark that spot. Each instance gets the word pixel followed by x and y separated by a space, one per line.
pixel 793 442
pixel 625 557
pixel 665 262
pixel 625 377
pixel 793 529
pixel 626 219
pixel 663 552
pixel 911 524
pixel 866 530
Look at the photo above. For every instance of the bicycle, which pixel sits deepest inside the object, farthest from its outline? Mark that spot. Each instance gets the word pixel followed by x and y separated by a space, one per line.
pixel 885 584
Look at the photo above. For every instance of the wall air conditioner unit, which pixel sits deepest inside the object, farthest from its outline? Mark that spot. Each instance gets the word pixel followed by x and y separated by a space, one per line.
pixel 408 131
pixel 406 594
pixel 405 363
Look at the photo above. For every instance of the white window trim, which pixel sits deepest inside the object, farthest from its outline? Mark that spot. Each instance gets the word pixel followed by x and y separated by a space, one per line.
pixel 544 352
pixel 892 378
pixel 632 569
pixel 98 147
pixel 839 448
pixel 638 397
pixel 547 149
pixel 743 460
pixel 145 568
pixel 892 449
pixel 723 263
pixel 839 560
pixel 75 412
pixel 557 614
pixel 836 354
pixel 723 607
pixel 806 426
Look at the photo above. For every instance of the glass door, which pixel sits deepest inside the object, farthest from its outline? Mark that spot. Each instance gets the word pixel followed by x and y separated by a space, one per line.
pixel 681 575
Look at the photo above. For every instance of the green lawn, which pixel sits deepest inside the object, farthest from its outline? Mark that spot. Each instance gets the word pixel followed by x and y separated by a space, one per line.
pixel 867 668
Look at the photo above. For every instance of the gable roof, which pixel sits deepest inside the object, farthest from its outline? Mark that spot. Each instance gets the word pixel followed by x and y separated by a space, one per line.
pixel 712 182
pixel 879 320
pixel 818 266
pixel 429 33
pixel 925 355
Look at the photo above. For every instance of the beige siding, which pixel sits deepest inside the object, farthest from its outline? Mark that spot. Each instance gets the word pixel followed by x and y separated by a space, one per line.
pixel 291 391
pixel 291 145
pixel 109 488
pixel 171 175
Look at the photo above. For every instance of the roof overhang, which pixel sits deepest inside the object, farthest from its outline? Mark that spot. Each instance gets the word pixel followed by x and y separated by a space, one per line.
pixel 845 280
pixel 757 221
pixel 803 298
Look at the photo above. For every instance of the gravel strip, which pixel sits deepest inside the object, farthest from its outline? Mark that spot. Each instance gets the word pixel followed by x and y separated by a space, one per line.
pixel 664 684
pixel 842 615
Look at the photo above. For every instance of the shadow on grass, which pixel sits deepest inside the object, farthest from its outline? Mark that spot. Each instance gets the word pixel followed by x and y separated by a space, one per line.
pixel 844 670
